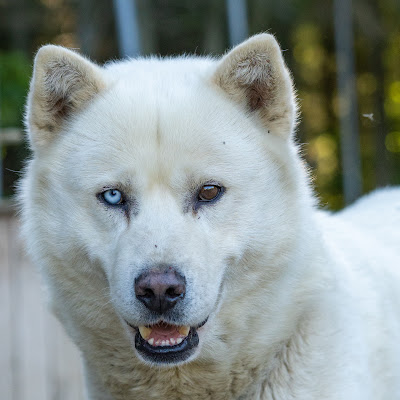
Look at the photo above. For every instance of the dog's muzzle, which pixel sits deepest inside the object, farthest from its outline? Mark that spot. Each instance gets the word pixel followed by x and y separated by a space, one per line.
pixel 163 343
pixel 160 289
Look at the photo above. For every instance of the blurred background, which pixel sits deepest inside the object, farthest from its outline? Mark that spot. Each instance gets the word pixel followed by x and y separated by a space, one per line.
pixel 345 60
pixel 306 30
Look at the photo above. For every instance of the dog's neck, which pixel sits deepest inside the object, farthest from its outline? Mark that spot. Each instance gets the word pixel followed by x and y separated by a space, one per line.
pixel 228 375
pixel 229 378
pixel 125 378
pixel 269 342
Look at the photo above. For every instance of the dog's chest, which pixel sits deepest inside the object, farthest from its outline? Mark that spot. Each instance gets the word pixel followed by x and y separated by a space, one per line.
pixel 195 382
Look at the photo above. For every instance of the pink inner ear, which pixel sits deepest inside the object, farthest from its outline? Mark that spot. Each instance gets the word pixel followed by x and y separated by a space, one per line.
pixel 254 99
pixel 254 75
pixel 60 108
pixel 61 81
pixel 260 82
pixel 259 95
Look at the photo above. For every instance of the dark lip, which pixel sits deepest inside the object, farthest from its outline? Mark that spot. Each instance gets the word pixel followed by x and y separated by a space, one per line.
pixel 168 354
pixel 195 327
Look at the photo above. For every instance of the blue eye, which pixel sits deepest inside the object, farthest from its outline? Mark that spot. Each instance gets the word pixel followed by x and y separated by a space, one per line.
pixel 112 197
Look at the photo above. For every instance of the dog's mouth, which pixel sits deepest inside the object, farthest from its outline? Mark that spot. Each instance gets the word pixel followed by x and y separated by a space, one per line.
pixel 163 343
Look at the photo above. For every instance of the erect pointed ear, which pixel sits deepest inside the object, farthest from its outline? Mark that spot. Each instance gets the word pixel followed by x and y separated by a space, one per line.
pixel 63 82
pixel 254 74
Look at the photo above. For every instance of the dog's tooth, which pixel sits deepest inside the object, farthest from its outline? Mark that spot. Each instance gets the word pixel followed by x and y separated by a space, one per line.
pixel 158 342
pixel 179 340
pixel 163 343
pixel 172 340
pixel 184 330
pixel 145 332
pixel 167 343
pixel 151 341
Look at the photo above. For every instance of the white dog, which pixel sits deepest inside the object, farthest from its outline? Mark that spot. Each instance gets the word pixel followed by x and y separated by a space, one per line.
pixel 171 216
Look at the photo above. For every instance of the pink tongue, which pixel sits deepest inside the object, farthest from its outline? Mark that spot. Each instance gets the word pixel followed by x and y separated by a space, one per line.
pixel 164 332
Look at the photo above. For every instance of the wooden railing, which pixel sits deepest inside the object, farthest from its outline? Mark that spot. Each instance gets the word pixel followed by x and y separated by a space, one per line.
pixel 37 359
pixel 11 136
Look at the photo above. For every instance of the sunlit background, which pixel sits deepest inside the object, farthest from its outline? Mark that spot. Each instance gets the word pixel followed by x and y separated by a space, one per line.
pixel 305 30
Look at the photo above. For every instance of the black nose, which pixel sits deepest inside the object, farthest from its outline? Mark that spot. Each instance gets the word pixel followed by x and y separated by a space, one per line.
pixel 160 290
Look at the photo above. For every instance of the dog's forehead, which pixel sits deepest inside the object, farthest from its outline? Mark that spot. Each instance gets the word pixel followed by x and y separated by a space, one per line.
pixel 165 123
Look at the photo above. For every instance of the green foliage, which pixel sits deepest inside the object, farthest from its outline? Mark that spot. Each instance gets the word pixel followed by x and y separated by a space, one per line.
pixel 304 29
pixel 15 70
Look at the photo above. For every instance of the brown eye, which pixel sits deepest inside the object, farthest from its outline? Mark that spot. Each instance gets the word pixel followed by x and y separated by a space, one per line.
pixel 209 192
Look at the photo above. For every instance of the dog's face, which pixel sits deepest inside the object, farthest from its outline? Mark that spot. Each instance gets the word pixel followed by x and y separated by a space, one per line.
pixel 166 174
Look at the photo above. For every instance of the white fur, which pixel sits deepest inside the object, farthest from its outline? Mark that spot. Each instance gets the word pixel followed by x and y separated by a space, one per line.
pixel 302 304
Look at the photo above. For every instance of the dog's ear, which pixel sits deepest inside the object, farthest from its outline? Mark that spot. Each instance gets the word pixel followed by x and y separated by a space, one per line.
pixel 63 82
pixel 254 74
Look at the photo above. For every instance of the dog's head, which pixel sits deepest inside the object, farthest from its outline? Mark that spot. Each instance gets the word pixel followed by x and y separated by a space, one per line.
pixel 173 178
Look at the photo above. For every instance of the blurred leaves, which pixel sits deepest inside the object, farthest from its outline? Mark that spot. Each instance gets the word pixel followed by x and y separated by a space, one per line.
pixel 15 71
pixel 304 29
